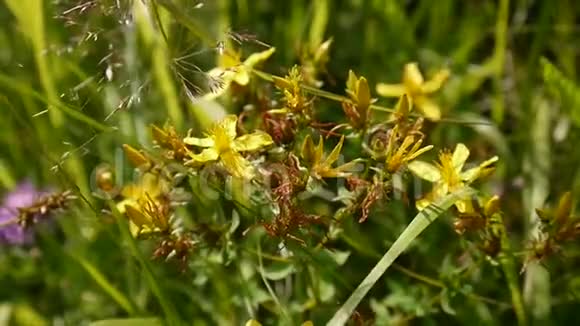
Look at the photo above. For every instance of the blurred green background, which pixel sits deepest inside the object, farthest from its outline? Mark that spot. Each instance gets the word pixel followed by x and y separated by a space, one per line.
pixel 80 78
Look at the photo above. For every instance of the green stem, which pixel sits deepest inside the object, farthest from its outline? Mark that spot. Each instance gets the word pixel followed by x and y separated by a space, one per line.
pixel 171 316
pixel 499 59
pixel 509 268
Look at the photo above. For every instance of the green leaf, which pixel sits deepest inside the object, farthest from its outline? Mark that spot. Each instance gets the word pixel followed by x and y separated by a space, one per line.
pixel 340 257
pixel 419 223
pixel 319 22
pixel 567 90
pixel 278 271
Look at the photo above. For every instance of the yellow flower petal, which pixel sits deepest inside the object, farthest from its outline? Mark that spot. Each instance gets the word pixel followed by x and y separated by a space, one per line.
pixel 228 125
pixel 241 72
pixel 308 151
pixel 390 90
pixel 208 154
pixel 417 153
pixel 463 205
pixel 564 208
pixel 319 152
pixel 363 93
pixel 492 206
pixel 489 162
pixel 439 190
pixel 136 157
pixel 425 170
pixel 351 81
pixel 159 135
pixel 252 142
pixel 256 58
pixel 131 191
pixel 236 164
pixel 334 155
pixel 435 83
pixel 430 109
pixel 229 58
pixel 460 155
pixel 201 142
pixel 403 107
pixel 121 206
pixel 422 203
pixel 241 76
pixel 412 77
pixel 478 171
pixel 346 167
pixel 136 216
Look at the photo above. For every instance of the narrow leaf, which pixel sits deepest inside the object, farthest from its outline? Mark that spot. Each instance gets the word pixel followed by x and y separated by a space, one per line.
pixel 106 285
pixel 419 223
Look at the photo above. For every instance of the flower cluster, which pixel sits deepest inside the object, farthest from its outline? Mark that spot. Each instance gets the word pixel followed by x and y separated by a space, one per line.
pixel 282 167
pixel 292 158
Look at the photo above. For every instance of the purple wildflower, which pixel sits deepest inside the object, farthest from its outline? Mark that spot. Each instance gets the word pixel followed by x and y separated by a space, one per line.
pixel 24 195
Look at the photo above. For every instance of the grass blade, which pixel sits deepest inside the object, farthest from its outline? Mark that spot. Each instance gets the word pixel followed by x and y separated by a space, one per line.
pixel 16 85
pixel 417 225
pixel 30 17
pixel 171 316
pixel 102 281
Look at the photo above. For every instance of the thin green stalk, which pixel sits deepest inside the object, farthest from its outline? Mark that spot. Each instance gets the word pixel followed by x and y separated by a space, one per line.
pixel 161 60
pixel 508 265
pixel 421 221
pixel 319 22
pixel 267 284
pixel 106 285
pixel 499 60
pixel 537 165
pixel 171 316
pixel 30 17
pixel 340 98
pixel 179 15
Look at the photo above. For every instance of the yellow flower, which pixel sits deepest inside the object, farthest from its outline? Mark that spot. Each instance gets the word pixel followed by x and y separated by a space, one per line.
pixel 223 144
pixel 145 205
pixel 232 69
pixel 448 176
pixel 397 157
pixel 322 167
pixel 417 89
